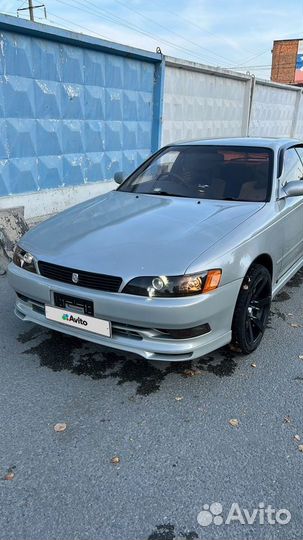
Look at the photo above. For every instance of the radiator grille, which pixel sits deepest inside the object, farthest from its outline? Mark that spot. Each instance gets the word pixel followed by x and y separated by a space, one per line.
pixel 90 280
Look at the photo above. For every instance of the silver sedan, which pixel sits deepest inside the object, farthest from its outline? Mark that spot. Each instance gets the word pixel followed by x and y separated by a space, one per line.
pixel 184 257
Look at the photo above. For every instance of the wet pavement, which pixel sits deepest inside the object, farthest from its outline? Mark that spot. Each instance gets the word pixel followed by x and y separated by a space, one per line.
pixel 167 422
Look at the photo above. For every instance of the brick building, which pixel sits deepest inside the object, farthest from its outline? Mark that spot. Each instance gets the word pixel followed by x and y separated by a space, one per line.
pixel 287 61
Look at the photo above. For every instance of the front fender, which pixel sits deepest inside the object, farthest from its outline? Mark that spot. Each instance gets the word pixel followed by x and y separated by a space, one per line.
pixel 260 235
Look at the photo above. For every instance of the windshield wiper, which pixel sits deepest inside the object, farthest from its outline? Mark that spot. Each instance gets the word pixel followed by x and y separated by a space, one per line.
pixel 165 193
pixel 230 199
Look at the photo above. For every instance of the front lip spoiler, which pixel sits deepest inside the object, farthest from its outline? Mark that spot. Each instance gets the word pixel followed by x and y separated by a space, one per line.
pixel 150 349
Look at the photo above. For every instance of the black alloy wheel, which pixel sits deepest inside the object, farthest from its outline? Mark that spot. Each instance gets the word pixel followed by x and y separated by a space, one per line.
pixel 252 309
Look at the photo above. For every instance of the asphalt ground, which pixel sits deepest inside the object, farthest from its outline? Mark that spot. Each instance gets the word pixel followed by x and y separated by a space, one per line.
pixel 167 425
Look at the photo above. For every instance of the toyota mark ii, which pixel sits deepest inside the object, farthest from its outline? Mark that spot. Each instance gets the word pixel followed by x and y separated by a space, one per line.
pixel 182 258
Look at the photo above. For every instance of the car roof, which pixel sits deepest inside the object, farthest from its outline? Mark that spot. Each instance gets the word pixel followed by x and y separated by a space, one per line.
pixel 267 142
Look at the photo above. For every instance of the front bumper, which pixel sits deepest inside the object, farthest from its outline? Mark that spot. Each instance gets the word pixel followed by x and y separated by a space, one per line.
pixel 134 319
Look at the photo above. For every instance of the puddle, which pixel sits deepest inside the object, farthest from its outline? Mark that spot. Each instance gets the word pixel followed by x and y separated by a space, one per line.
pixel 60 352
pixel 297 280
pixel 282 297
pixel 285 294
pixel 167 532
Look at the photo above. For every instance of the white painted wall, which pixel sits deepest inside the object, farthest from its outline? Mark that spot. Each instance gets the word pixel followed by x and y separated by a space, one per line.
pixel 272 110
pixel 298 124
pixel 201 102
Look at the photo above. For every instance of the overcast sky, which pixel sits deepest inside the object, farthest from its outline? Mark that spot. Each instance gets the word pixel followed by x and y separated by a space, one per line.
pixel 228 33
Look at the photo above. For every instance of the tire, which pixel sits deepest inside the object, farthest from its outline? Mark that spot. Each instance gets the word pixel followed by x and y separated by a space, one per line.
pixel 252 309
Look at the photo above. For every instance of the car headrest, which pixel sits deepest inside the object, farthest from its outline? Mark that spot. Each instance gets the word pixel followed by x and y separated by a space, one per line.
pixel 238 172
pixel 203 161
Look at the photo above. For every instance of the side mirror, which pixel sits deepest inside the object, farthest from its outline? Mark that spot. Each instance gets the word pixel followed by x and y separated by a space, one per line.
pixel 294 189
pixel 119 177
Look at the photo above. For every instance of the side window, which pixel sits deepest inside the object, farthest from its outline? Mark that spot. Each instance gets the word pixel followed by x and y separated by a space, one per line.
pixel 292 167
pixel 299 149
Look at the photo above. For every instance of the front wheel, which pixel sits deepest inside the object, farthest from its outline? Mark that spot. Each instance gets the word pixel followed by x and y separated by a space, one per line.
pixel 252 309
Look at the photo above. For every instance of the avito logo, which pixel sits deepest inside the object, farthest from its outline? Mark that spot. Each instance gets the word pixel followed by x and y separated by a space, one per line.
pixel 71 318
pixel 212 513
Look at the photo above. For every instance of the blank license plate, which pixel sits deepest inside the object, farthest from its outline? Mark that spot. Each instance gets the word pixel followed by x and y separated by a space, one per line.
pixel 79 321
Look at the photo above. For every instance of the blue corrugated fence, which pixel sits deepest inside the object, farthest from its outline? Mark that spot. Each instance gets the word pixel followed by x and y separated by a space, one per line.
pixel 73 109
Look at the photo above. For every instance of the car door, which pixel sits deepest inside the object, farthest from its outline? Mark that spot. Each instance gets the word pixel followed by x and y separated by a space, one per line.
pixel 291 209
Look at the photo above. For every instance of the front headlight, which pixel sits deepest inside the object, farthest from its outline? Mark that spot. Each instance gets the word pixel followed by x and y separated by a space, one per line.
pixel 187 285
pixel 24 260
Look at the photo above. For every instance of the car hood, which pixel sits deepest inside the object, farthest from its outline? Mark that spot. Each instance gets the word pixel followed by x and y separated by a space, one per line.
pixel 129 235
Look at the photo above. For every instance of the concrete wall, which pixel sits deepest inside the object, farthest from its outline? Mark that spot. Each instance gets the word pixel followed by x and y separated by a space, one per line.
pixel 274 109
pixel 201 101
pixel 73 111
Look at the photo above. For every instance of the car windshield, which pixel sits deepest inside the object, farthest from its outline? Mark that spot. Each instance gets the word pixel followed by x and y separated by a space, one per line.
pixel 206 172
